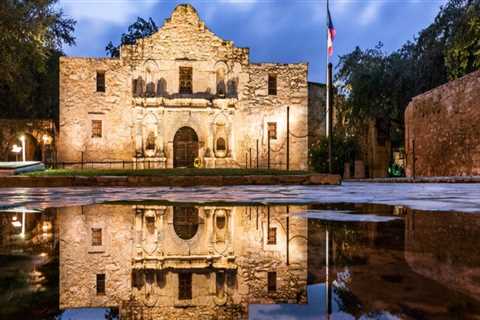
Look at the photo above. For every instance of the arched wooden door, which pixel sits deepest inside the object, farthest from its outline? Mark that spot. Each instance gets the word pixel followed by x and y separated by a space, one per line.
pixel 185 147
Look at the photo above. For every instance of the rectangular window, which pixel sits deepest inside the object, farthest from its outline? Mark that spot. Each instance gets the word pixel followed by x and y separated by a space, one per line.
pixel 272 236
pixel 100 81
pixel 272 130
pixel 184 286
pixel 96 128
pixel 185 80
pixel 101 284
pixel 96 237
pixel 272 281
pixel 272 85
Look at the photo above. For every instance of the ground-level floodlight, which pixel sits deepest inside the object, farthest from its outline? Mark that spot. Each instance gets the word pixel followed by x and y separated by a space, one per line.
pixel 22 139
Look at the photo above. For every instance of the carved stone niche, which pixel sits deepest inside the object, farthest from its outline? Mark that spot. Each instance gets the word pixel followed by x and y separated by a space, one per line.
pixel 150 135
pixel 221 137
pixel 221 225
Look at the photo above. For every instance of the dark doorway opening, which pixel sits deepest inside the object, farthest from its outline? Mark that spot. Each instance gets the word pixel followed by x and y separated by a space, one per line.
pixel 185 148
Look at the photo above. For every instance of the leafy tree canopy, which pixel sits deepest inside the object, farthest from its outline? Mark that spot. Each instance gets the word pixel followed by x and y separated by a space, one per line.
pixel 139 29
pixel 32 33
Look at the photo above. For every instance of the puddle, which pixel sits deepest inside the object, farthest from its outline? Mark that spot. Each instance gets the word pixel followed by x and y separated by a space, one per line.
pixel 186 260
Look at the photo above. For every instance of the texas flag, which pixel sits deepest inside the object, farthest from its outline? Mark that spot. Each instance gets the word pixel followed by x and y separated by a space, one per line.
pixel 331 32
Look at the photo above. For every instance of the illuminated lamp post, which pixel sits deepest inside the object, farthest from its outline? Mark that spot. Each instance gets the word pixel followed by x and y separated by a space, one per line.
pixel 22 139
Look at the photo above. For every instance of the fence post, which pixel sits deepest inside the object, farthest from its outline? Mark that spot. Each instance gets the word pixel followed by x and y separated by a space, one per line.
pixel 246 160
pixel 268 151
pixel 250 152
pixel 257 154
pixel 288 138
pixel 81 165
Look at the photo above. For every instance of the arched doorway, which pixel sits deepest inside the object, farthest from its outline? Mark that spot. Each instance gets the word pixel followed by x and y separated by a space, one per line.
pixel 185 222
pixel 185 147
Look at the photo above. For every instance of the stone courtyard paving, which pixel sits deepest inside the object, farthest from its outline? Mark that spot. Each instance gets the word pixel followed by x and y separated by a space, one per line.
pixel 433 197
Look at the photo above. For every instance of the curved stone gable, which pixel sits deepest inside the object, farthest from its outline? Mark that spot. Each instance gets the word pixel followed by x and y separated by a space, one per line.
pixel 184 36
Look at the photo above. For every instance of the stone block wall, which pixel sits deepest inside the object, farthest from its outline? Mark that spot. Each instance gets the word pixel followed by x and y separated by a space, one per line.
pixel 259 108
pixel 80 104
pixel 442 130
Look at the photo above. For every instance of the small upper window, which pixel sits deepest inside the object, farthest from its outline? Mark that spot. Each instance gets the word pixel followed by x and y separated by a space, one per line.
pixel 96 128
pixel 272 130
pixel 96 237
pixel 272 85
pixel 185 80
pixel 100 81
pixel 101 284
pixel 272 281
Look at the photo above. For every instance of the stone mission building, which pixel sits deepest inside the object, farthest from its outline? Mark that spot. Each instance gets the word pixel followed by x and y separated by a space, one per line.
pixel 183 94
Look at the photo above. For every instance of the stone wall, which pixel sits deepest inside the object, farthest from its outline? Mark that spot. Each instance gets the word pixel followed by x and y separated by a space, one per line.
pixel 444 247
pixel 442 130
pixel 80 261
pixel 143 109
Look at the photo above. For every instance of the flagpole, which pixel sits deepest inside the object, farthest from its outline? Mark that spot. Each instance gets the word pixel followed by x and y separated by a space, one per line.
pixel 328 107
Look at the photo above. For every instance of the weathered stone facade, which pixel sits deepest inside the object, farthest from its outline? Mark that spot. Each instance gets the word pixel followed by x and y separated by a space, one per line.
pixel 181 94
pixel 442 130
pixel 145 250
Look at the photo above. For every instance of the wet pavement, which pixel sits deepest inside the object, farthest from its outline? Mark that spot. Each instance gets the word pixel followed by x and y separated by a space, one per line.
pixel 436 197
pixel 145 260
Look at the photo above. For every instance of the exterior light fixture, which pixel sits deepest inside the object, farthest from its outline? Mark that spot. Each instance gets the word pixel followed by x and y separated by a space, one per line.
pixel 16 224
pixel 16 149
pixel 46 139
pixel 22 139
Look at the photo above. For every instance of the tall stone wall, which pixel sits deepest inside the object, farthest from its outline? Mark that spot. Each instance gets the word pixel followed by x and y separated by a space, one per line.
pixel 442 130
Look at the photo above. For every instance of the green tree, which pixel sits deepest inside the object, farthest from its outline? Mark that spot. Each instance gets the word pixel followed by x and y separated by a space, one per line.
pixel 378 86
pixel 463 50
pixel 32 34
pixel 139 29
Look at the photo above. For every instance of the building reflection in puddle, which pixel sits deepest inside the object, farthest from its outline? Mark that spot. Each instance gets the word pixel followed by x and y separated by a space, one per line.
pixel 174 261
pixel 156 261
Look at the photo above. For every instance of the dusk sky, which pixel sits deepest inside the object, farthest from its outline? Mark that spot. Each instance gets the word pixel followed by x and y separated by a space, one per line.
pixel 275 31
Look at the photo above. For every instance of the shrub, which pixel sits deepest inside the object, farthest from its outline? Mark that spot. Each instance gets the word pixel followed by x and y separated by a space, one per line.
pixel 344 150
